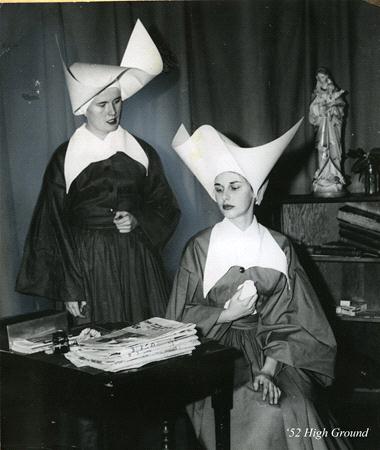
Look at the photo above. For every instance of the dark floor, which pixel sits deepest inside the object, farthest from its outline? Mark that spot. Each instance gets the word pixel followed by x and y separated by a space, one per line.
pixel 357 412
pixel 63 433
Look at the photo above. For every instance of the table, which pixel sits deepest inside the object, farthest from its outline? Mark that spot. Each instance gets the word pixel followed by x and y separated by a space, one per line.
pixel 161 388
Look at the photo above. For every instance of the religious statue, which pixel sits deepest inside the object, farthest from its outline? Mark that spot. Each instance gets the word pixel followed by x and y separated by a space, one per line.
pixel 326 114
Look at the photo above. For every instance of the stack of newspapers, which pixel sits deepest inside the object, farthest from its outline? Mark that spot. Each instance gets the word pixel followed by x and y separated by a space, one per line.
pixel 152 340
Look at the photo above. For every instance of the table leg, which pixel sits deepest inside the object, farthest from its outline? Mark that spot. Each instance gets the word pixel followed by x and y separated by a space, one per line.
pixel 222 404
pixel 165 435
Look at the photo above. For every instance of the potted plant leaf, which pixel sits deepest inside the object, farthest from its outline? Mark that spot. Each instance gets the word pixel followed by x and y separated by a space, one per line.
pixel 367 166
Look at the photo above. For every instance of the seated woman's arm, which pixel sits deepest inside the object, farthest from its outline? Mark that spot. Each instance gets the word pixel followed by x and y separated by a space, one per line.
pixel 293 328
pixel 238 308
pixel 264 380
pixel 187 304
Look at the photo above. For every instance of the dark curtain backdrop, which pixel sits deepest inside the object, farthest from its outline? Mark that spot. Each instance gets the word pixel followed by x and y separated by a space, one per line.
pixel 247 68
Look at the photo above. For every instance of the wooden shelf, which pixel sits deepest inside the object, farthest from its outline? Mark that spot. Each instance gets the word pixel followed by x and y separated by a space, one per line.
pixel 368 316
pixel 345 259
pixel 336 270
pixel 367 390
pixel 351 198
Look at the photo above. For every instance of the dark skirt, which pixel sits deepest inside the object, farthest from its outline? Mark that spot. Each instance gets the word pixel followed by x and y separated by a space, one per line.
pixel 123 276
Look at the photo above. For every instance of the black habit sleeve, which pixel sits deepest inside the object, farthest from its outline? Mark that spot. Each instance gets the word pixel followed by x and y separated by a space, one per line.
pixel 49 265
pixel 186 302
pixel 160 213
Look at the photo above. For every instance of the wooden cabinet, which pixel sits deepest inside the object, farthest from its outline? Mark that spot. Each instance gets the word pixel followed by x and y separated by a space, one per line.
pixel 311 222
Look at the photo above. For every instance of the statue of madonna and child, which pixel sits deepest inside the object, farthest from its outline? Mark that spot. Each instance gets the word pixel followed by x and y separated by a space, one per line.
pixel 326 114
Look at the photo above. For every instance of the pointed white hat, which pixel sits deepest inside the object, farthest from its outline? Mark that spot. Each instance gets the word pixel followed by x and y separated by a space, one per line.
pixel 140 64
pixel 207 153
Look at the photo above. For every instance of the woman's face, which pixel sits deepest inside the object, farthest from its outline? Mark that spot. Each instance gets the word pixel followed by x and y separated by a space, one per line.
pixel 103 114
pixel 234 196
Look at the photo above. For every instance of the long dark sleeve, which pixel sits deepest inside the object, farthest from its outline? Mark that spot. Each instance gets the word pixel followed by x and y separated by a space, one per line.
pixel 49 266
pixel 293 328
pixel 186 302
pixel 160 213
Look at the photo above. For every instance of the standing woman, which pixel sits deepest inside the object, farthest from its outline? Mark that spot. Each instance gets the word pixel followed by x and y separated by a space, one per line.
pixel 242 285
pixel 105 209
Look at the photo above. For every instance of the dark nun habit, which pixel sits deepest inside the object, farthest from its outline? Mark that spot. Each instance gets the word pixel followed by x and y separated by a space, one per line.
pixel 73 251
pixel 289 324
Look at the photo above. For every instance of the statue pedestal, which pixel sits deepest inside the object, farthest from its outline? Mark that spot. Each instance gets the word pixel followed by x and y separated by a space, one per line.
pixel 330 194
pixel 329 181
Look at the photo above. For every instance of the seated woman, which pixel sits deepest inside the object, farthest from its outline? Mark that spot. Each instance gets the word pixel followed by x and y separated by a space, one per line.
pixel 278 325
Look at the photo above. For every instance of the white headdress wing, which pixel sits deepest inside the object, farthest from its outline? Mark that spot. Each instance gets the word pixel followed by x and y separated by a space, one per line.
pixel 207 153
pixel 140 64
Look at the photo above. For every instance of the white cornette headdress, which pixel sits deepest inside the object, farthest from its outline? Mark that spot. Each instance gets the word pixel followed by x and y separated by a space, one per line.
pixel 207 153
pixel 140 64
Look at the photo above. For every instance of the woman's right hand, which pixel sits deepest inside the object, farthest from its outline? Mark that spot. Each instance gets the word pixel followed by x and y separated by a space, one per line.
pixel 76 308
pixel 269 389
pixel 125 222
pixel 238 307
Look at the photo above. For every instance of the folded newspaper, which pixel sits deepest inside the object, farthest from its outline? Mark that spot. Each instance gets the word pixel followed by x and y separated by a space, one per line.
pixel 32 345
pixel 43 342
pixel 154 339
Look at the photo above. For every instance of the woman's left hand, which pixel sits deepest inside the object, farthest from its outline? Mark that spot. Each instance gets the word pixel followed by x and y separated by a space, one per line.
pixel 270 390
pixel 125 222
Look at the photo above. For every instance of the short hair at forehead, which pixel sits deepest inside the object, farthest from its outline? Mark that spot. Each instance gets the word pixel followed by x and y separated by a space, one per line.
pixel 106 95
pixel 241 178
pixel 230 182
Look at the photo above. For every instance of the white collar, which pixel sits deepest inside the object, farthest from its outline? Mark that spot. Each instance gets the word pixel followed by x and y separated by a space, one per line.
pixel 229 246
pixel 85 148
